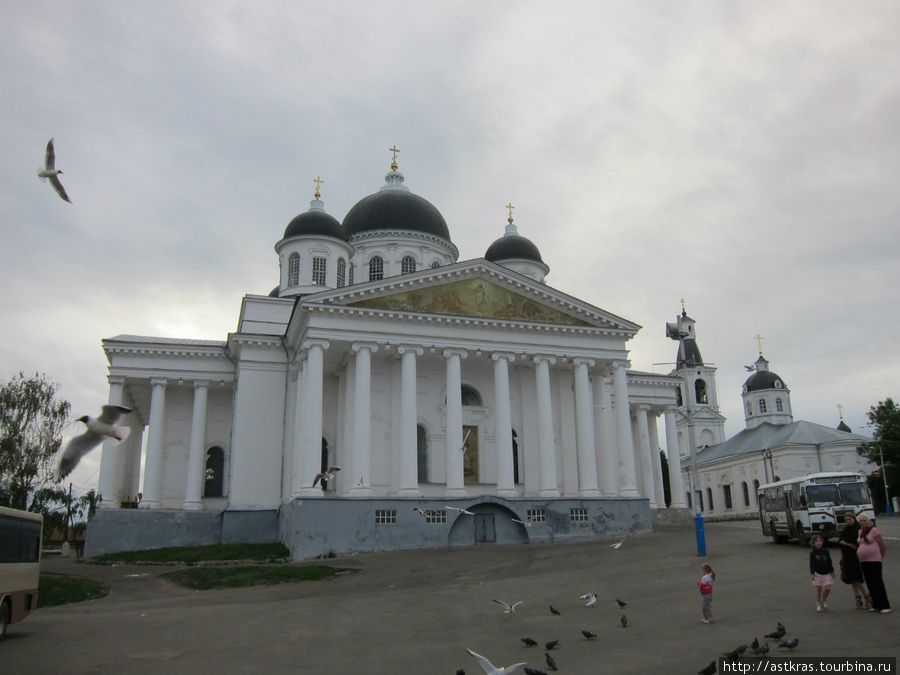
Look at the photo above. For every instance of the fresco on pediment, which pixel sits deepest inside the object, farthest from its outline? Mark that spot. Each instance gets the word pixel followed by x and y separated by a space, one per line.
pixel 472 297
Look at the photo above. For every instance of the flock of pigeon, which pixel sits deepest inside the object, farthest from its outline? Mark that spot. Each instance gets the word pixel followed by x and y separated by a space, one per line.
pixel 755 647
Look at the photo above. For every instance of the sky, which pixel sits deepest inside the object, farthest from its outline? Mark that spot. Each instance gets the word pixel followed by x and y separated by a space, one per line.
pixel 741 156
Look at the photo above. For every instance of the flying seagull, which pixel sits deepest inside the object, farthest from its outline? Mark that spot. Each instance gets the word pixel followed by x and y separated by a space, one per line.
pixel 618 544
pixel 427 513
pixel 462 448
pixel 490 668
pixel 328 475
pixel 453 508
pixel 511 610
pixel 526 523
pixel 50 171
pixel 591 599
pixel 98 430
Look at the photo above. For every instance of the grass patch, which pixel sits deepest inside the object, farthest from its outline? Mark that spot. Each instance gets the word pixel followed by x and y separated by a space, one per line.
pixel 54 589
pixel 207 578
pixel 197 554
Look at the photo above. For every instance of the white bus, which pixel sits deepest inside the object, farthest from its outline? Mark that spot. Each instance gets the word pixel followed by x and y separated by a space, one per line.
pixel 814 504
pixel 20 564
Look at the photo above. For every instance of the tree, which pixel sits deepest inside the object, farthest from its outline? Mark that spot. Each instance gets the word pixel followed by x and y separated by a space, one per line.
pixel 31 424
pixel 885 444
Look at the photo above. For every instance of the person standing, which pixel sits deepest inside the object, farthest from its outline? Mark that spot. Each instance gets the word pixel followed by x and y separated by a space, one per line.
pixel 871 553
pixel 851 572
pixel 822 571
pixel 706 588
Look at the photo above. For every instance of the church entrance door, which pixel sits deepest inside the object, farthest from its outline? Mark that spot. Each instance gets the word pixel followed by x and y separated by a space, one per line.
pixel 485 531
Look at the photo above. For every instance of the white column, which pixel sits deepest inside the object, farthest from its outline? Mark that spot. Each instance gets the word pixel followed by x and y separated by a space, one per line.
pixel 110 485
pixel 657 462
pixel 624 440
pixel 549 486
pixel 506 486
pixel 607 461
pixel 197 451
pixel 644 454
pixel 456 486
pixel 350 477
pixel 311 431
pixel 153 465
pixel 409 469
pixel 584 430
pixel 676 485
pixel 297 432
pixel 362 423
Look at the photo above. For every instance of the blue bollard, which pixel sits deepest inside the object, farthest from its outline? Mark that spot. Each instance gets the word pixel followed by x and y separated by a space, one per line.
pixel 701 535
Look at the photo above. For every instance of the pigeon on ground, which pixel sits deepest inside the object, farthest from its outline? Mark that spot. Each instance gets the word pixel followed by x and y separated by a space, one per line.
pixel 762 651
pixel 554 611
pixel 790 645
pixel 328 475
pixel 735 654
pixel 621 604
pixel 591 599
pixel 98 430
pixel 452 508
pixel 776 635
pixel 490 668
pixel 460 671
pixel 510 609
pixel 588 634
pixel 551 663
pixel 550 645
pixel 755 644
pixel 709 670
pixel 529 642
pixel 532 671
pixel 624 621
pixel 741 649
pixel 50 171
pixel 781 627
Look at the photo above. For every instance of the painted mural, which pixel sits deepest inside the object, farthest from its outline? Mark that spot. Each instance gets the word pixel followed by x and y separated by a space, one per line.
pixel 472 297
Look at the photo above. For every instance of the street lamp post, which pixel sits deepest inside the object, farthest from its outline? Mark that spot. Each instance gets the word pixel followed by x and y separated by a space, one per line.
pixel 676 331
pixel 889 509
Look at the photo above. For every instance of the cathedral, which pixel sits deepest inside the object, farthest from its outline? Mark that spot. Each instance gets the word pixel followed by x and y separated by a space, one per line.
pixel 386 395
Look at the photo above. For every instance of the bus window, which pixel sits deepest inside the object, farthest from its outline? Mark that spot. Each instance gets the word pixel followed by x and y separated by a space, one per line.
pixel 822 495
pixel 854 494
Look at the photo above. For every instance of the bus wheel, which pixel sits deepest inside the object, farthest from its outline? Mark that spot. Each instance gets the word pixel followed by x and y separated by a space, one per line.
pixel 4 618
pixel 801 535
pixel 776 538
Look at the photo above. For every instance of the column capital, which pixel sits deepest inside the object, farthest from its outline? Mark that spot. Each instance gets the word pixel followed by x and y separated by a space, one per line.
pixel 455 351
pixel 359 346
pixel 116 379
pixel 623 363
pixel 583 361
pixel 643 407
pixel 415 349
pixel 201 384
pixel 508 356
pixel 313 342
pixel 158 381
pixel 544 358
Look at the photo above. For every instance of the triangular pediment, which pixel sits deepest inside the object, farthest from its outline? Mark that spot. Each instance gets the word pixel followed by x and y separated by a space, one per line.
pixel 477 290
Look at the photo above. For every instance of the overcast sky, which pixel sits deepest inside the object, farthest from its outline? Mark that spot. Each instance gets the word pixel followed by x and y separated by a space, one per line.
pixel 742 155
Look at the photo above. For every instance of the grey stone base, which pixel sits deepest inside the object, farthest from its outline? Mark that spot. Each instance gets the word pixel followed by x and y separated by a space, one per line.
pixel 677 517
pixel 320 526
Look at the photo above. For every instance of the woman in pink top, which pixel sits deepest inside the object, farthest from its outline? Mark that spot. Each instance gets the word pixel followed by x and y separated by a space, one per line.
pixel 870 553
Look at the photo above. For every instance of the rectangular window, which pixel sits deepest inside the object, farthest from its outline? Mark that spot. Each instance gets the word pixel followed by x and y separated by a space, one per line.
pixel 385 517
pixel 319 271
pixel 746 494
pixel 727 490
pixel 537 515
pixel 578 515
pixel 435 517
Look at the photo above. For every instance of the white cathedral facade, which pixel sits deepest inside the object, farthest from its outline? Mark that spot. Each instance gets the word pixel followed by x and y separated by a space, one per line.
pixel 433 384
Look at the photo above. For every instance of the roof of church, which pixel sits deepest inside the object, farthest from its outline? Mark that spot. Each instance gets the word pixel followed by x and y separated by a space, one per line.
pixel 394 207
pixel 770 436
pixel 184 342
pixel 511 246
pixel 763 378
pixel 691 353
pixel 315 222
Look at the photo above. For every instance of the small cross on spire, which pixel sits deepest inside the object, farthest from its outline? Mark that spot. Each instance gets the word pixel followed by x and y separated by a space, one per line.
pixel 841 411
pixel 683 310
pixel 510 207
pixel 318 181
pixel 759 338
pixel 394 158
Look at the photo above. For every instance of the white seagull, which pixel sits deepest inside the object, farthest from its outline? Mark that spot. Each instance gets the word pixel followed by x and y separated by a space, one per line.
pixel 462 448
pixel 427 513
pixel 511 610
pixel 591 599
pixel 50 171
pixel 328 475
pixel 98 430
pixel 618 544
pixel 526 523
pixel 490 668
pixel 451 508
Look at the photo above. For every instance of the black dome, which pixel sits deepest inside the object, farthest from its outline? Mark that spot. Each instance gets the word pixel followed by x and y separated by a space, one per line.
pixel 395 209
pixel 763 379
pixel 316 223
pixel 512 246
pixel 691 354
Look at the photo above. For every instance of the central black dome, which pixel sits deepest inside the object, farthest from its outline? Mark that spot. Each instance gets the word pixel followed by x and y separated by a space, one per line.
pixel 764 379
pixel 395 209
pixel 513 246
pixel 314 222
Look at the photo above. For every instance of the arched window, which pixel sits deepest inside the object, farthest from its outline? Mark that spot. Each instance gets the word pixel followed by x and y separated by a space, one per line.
pixel 515 458
pixel 709 499
pixel 746 489
pixel 422 453
pixel 756 490
pixel 376 268
pixel 341 273
pixel 407 265
pixel 215 472
pixel 679 399
pixel 700 391
pixel 319 271
pixel 435 264
pixel 762 406
pixel 294 269
pixel 749 409
pixel 779 405
pixel 470 395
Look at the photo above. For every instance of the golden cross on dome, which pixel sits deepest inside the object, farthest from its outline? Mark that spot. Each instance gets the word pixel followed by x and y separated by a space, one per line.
pixel 759 338
pixel 318 181
pixel 841 411
pixel 683 310
pixel 394 158
pixel 510 207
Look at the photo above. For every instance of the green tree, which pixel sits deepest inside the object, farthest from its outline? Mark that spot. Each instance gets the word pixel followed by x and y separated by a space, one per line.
pixel 31 424
pixel 884 418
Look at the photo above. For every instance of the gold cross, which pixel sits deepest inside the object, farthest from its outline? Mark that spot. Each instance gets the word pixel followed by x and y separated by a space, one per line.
pixel 683 311
pixel 510 207
pixel 318 181
pixel 759 338
pixel 394 158
pixel 841 411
